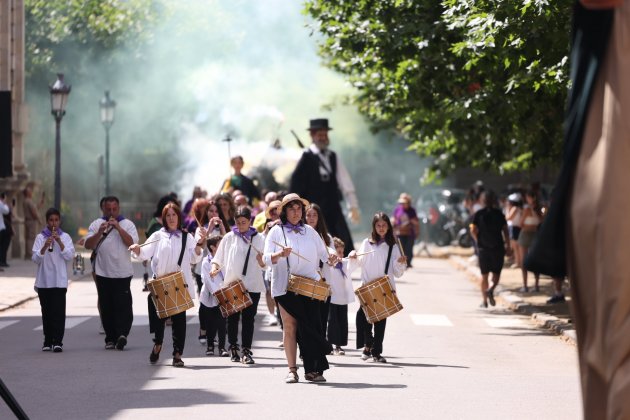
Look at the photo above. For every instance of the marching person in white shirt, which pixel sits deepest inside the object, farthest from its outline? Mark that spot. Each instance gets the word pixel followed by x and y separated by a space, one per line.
pixel 240 256
pixel 380 256
pixel 341 294
pixel 51 251
pixel 209 312
pixel 110 237
pixel 293 248
pixel 163 249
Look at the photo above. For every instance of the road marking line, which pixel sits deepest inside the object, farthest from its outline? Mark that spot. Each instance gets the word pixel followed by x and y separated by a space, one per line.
pixel 504 322
pixel 4 324
pixel 431 320
pixel 71 322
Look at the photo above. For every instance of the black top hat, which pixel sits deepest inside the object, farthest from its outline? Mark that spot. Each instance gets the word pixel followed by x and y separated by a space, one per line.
pixel 319 124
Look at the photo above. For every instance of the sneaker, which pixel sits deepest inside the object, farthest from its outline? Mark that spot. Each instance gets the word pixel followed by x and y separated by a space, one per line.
pixel 483 305
pixel 177 362
pixel 556 299
pixel 110 346
pixel 234 354
pixel 203 339
pixel 379 359
pixel 272 320
pixel 247 359
pixel 366 354
pixel 121 342
pixel 281 344
pixel 292 377
pixel 223 352
pixel 490 295
pixel 57 348
pixel 339 351
pixel 210 350
pixel 46 348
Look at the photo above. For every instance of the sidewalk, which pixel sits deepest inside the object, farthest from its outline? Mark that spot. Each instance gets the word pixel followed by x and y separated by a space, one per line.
pixel 17 281
pixel 556 317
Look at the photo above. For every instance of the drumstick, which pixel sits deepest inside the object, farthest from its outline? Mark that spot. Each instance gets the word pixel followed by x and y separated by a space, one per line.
pixel 148 243
pixel 400 247
pixel 292 251
pixel 364 253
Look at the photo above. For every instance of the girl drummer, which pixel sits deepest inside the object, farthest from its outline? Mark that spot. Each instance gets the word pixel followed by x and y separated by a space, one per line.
pixel 240 256
pixel 295 249
pixel 380 257
pixel 164 254
pixel 210 316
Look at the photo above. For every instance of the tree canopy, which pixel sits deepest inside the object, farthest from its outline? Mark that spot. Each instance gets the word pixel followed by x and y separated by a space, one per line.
pixel 470 83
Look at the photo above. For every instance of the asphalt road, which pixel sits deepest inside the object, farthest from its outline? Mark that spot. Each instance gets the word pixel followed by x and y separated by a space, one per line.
pixel 448 359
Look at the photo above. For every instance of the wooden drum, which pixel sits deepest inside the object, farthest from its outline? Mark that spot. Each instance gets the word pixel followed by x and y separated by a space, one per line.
pixel 378 300
pixel 233 298
pixel 304 286
pixel 170 294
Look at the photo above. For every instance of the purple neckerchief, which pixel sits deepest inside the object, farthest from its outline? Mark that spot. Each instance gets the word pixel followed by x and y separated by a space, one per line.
pixel 176 233
pixel 380 241
pixel 299 228
pixel 247 236
pixel 47 233
pixel 339 266
pixel 119 218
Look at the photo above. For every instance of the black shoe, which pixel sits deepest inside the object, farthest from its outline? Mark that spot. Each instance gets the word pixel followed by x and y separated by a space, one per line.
pixel 46 347
pixel 155 355
pixel 379 359
pixel 223 352
pixel 556 299
pixel 490 295
pixel 57 348
pixel 110 346
pixel 247 359
pixel 234 354
pixel 366 354
pixel 121 342
pixel 210 350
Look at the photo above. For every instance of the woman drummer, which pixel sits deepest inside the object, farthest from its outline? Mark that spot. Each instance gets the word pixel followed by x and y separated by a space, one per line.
pixel 378 256
pixel 294 248
pixel 164 253
pixel 239 257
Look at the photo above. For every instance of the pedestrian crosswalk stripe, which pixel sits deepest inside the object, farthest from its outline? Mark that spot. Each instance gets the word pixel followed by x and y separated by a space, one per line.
pixel 504 322
pixel 71 322
pixel 4 324
pixel 431 320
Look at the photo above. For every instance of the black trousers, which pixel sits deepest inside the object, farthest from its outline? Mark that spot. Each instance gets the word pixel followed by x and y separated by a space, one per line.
pixel 364 334
pixel 178 328
pixel 213 323
pixel 115 301
pixel 338 325
pixel 53 303
pixel 247 333
pixel 324 308
pixel 310 337
pixel 407 244
pixel 5 241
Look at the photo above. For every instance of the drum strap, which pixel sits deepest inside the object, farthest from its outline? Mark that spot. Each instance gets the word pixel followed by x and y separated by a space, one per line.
pixel 389 257
pixel 285 244
pixel 181 253
pixel 249 250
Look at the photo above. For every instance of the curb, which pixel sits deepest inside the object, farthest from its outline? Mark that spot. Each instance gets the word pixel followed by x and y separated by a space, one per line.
pixel 513 302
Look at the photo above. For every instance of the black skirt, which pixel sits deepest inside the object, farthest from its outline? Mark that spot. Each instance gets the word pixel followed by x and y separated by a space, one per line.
pixel 338 325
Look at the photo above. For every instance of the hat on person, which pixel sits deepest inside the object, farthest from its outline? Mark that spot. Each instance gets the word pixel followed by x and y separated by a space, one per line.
pixel 292 197
pixel 515 197
pixel 404 198
pixel 319 124
pixel 275 204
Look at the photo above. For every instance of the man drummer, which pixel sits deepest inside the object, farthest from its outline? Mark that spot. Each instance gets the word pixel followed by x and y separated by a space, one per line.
pixel 321 177
pixel 109 237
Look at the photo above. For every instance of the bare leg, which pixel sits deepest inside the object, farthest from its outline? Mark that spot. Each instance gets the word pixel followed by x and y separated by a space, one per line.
pixel 484 288
pixel 271 307
pixel 495 280
pixel 523 270
pixel 289 337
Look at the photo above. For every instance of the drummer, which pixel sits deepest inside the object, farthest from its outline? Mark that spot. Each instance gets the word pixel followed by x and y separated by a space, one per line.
pixel 380 257
pixel 240 257
pixel 294 248
pixel 164 254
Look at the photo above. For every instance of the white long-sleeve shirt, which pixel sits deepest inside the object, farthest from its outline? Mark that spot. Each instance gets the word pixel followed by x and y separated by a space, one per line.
pixel 210 284
pixel 112 257
pixel 52 270
pixel 343 176
pixel 231 257
pixel 165 253
pixel 341 291
pixel 373 265
pixel 308 244
pixel 4 209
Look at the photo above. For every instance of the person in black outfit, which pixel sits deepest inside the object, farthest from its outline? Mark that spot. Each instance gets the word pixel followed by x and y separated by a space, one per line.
pixel 489 229
pixel 321 177
pixel 240 182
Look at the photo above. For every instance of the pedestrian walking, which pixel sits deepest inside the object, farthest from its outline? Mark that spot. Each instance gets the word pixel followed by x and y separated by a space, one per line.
pixel 341 294
pixel 406 225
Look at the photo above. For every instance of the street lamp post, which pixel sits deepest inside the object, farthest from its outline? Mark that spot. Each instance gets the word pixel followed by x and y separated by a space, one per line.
pixel 108 106
pixel 59 93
